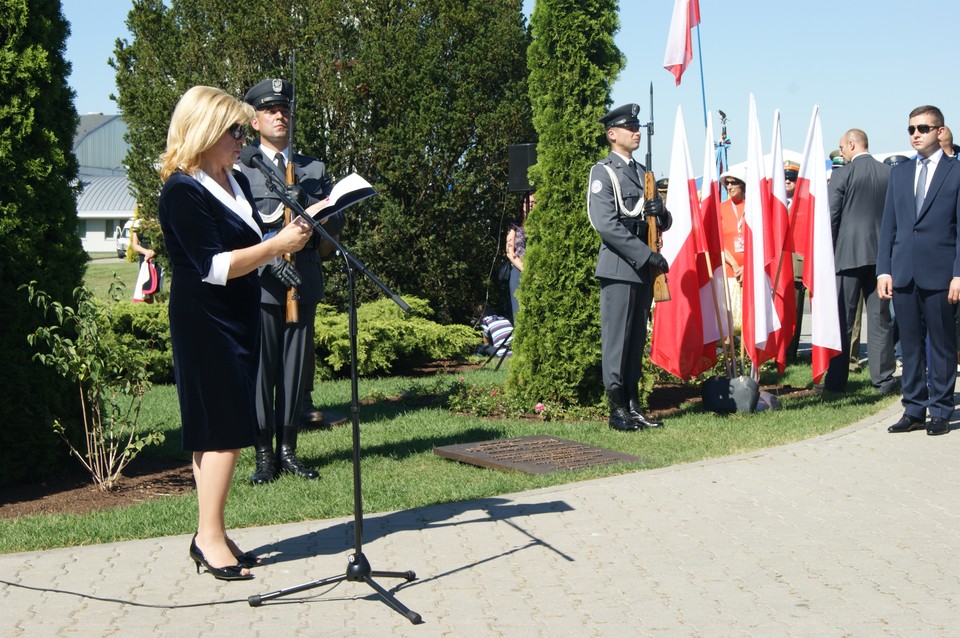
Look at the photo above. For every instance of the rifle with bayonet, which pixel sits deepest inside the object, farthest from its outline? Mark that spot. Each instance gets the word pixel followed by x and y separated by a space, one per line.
pixel 293 305
pixel 660 290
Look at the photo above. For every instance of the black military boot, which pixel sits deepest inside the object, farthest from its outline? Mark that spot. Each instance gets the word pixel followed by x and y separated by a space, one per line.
pixel 288 460
pixel 266 461
pixel 620 418
pixel 633 407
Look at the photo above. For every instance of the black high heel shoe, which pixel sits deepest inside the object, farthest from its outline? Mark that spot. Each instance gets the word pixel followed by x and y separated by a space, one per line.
pixel 248 560
pixel 232 572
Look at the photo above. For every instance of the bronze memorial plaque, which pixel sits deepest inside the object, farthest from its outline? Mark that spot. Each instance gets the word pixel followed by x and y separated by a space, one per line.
pixel 539 454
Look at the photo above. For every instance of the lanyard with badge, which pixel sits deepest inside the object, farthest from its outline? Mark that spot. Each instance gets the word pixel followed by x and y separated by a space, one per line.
pixel 738 215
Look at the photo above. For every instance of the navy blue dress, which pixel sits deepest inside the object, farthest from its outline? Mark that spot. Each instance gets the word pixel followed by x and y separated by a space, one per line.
pixel 215 330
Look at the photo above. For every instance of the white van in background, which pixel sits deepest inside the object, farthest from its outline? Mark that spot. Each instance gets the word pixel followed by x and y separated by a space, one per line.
pixel 122 236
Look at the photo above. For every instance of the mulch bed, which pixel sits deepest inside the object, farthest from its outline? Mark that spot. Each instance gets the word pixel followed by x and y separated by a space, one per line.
pixel 146 478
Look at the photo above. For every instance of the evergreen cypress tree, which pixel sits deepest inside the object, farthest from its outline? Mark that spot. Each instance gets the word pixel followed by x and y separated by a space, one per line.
pixel 422 98
pixel 38 226
pixel 573 62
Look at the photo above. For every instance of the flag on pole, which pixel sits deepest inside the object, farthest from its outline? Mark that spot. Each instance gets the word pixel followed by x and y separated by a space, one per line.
pixel 811 207
pixel 686 15
pixel 679 345
pixel 780 258
pixel 719 323
pixel 759 316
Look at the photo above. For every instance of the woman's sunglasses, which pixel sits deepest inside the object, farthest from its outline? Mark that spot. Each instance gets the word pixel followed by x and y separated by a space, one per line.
pixel 238 131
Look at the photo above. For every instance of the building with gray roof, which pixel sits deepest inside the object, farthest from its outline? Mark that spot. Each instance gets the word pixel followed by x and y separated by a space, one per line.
pixel 105 202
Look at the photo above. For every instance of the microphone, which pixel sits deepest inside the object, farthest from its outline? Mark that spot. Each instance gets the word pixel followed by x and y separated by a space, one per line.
pixel 253 157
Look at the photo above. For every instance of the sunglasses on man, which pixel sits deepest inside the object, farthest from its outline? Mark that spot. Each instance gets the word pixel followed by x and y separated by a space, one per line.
pixel 923 128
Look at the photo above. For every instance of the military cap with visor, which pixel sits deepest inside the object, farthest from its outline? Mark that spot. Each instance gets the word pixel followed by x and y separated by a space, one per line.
pixel 625 115
pixel 270 91
pixel 791 170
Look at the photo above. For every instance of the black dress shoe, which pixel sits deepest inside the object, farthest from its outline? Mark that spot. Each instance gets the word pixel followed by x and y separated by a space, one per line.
pixel 621 420
pixel 936 426
pixel 332 419
pixel 906 424
pixel 311 417
pixel 643 421
pixel 889 387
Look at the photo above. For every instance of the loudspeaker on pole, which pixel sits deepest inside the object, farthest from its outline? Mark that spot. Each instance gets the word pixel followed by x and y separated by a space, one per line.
pixel 520 157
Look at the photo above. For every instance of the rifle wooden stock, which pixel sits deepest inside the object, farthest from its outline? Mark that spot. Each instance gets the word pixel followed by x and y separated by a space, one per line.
pixel 293 306
pixel 660 290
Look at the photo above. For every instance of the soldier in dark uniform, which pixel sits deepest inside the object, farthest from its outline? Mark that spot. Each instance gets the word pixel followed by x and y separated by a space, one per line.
pixel 286 353
pixel 791 172
pixel 662 185
pixel 619 211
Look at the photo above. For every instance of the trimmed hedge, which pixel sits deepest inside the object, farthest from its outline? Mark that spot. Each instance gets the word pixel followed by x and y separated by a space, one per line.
pixel 144 327
pixel 388 340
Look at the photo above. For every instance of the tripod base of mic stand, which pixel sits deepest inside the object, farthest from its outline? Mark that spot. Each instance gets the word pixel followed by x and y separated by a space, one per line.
pixel 358 569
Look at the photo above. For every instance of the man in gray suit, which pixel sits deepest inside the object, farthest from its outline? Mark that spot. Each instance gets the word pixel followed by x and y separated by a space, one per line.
pixel 857 194
pixel 620 211
pixel 286 349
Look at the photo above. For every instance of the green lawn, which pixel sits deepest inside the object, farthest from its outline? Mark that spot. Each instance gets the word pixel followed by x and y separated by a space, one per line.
pixel 402 420
pixel 100 273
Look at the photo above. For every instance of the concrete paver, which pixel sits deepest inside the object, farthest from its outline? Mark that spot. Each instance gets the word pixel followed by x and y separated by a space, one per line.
pixel 850 534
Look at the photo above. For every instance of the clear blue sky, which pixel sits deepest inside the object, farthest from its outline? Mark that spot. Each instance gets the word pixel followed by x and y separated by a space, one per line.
pixel 849 57
pixel 95 26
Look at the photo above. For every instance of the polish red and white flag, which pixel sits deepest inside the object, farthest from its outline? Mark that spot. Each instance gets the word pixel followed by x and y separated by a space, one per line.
pixel 759 316
pixel 679 343
pixel 811 208
pixel 686 15
pixel 779 259
pixel 718 322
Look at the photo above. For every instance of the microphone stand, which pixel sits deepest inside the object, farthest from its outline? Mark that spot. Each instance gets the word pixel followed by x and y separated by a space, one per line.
pixel 358 567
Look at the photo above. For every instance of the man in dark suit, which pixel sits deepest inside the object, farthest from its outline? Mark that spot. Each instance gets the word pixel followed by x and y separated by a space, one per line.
pixel 918 266
pixel 619 210
pixel 857 196
pixel 286 351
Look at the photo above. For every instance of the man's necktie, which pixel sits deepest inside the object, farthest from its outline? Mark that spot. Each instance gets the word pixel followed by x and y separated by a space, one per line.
pixel 633 167
pixel 281 164
pixel 922 185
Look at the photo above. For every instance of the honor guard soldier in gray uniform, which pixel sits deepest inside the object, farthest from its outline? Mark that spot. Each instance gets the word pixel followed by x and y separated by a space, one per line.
pixel 619 211
pixel 286 349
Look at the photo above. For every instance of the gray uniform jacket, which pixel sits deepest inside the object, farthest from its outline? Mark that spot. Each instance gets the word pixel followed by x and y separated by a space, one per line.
pixel 312 177
pixel 623 248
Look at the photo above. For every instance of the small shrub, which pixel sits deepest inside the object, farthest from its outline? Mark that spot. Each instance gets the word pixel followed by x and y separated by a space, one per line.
pixel 111 382
pixel 479 399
